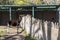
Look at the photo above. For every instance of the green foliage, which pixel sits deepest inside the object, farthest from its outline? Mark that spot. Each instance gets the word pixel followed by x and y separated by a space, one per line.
pixel 27 2
pixel 3 32
pixel 29 37
pixel 19 2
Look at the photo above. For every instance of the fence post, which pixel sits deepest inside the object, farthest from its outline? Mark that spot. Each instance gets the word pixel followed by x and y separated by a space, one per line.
pixel 59 18
pixel 31 21
pixel 10 13
pixel 59 23
pixel 32 11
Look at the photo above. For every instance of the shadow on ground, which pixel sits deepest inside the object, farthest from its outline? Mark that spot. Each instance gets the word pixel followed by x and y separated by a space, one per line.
pixel 14 37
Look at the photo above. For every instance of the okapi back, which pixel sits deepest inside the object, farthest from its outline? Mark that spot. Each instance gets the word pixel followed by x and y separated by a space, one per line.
pixel 12 22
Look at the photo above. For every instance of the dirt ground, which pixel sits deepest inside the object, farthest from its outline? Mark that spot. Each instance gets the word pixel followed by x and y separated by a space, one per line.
pixel 11 33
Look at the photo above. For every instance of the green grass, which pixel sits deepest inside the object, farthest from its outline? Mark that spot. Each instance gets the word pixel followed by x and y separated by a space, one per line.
pixel 2 32
pixel 28 37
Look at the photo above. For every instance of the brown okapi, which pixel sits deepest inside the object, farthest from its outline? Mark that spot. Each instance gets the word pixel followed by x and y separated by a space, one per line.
pixel 15 22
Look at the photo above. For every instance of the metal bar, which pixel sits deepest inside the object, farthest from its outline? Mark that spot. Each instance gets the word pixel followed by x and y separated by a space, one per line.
pixel 59 15
pixel 31 21
pixel 10 13
pixel 27 5
pixel 47 7
pixel 59 23
pixel 33 16
pixel 26 10
pixel 32 11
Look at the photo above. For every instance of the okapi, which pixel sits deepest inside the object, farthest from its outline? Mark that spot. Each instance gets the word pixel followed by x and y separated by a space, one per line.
pixel 15 22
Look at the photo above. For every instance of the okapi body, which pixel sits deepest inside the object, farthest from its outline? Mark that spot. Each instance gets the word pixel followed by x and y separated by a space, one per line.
pixel 15 22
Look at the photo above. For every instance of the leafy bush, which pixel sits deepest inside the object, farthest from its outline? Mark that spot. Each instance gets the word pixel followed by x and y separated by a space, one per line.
pixel 29 38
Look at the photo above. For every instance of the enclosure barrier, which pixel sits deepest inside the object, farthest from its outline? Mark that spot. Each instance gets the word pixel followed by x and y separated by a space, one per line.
pixel 43 29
